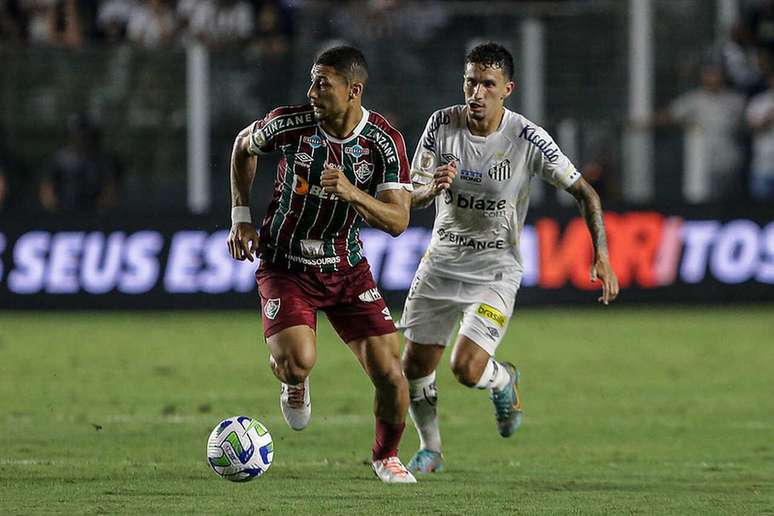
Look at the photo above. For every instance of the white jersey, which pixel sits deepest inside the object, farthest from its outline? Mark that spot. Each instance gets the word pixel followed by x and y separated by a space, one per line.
pixel 479 219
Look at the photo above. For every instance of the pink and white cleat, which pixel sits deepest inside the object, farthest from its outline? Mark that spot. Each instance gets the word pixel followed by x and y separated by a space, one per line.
pixel 392 471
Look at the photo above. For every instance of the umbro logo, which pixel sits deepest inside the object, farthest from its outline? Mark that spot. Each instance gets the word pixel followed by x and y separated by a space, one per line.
pixel 303 159
pixel 448 157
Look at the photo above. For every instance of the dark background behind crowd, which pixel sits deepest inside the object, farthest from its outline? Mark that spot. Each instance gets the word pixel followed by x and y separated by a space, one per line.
pixel 93 97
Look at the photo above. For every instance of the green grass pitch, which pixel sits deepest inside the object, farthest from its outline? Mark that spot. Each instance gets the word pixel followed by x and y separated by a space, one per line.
pixel 627 411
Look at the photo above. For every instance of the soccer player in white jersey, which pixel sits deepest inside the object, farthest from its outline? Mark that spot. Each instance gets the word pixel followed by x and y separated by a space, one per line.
pixel 476 162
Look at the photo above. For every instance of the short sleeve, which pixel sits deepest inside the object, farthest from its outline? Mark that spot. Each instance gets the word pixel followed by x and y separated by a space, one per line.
pixel 396 175
pixel 426 156
pixel 546 160
pixel 261 140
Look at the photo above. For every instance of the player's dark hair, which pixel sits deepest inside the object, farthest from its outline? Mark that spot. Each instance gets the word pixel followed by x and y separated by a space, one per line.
pixel 492 55
pixel 347 61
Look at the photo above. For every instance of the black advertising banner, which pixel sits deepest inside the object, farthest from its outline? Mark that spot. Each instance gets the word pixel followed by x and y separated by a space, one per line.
pixel 137 263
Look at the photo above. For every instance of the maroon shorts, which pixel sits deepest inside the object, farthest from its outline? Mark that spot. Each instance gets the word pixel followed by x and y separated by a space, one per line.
pixel 349 298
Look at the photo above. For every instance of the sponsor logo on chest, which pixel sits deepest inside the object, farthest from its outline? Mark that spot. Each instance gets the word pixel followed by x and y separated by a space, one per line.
pixel 357 151
pixel 314 141
pixel 489 207
pixel 471 176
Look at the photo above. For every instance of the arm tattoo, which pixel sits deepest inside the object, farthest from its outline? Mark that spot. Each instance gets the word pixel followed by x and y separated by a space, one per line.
pixel 591 209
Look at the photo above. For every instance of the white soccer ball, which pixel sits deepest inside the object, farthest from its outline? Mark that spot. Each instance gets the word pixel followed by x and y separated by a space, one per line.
pixel 240 449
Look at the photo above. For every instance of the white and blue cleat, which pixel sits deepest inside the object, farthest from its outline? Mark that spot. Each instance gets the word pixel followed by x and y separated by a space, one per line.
pixel 426 461
pixel 507 403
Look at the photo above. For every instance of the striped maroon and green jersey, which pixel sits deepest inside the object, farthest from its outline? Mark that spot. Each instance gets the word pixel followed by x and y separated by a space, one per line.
pixel 306 228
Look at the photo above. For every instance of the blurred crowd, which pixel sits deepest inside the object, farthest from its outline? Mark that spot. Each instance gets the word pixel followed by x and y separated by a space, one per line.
pixel 729 117
pixel 726 120
pixel 265 25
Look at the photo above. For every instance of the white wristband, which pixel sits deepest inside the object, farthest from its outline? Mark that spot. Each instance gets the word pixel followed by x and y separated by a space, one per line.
pixel 240 214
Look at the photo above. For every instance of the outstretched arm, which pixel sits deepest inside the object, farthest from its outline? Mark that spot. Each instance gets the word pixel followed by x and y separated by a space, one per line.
pixel 243 238
pixel 591 209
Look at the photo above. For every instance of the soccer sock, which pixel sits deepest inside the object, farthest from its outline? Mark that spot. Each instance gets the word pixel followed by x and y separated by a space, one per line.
pixel 495 376
pixel 387 439
pixel 424 398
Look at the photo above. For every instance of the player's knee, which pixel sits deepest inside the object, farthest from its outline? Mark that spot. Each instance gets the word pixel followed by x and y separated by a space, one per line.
pixel 388 377
pixel 292 371
pixel 466 373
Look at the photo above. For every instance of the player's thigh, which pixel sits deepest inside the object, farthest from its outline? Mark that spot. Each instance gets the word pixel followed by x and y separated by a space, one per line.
pixel 485 319
pixel 431 310
pixel 359 311
pixel 285 303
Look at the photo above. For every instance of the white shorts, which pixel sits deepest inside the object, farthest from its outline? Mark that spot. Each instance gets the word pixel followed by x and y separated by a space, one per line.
pixel 435 304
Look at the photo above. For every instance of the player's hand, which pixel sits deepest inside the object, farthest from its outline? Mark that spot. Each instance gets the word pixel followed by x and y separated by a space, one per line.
pixel 601 270
pixel 243 241
pixel 443 177
pixel 334 181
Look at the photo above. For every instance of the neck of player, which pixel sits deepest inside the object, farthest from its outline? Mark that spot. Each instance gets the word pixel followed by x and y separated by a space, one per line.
pixel 342 125
pixel 488 125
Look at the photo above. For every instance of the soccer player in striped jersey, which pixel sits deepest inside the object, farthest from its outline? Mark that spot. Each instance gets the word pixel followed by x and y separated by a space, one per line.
pixel 475 162
pixel 341 165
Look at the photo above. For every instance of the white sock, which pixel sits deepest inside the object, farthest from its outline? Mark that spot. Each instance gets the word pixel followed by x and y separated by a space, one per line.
pixel 424 398
pixel 495 376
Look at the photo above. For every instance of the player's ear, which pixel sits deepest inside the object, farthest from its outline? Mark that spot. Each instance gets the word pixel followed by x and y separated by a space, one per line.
pixel 509 87
pixel 356 90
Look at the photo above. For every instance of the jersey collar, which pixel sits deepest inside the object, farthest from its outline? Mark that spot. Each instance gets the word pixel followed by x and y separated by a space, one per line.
pixel 358 129
pixel 476 138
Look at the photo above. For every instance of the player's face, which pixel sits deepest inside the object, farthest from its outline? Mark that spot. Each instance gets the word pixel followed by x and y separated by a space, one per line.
pixel 486 89
pixel 329 92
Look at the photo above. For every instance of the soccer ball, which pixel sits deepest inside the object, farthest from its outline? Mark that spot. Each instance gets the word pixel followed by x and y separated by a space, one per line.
pixel 240 449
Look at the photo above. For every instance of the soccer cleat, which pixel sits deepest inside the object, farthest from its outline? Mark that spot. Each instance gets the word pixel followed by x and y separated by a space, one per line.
pixel 392 471
pixel 426 461
pixel 296 404
pixel 507 403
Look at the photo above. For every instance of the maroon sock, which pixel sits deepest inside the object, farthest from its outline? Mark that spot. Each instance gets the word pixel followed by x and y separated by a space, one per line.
pixel 387 439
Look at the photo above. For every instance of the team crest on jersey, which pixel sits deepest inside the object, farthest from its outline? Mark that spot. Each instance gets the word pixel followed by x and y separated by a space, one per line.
pixel 357 151
pixel 363 170
pixel 314 141
pixel 501 171
pixel 272 308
